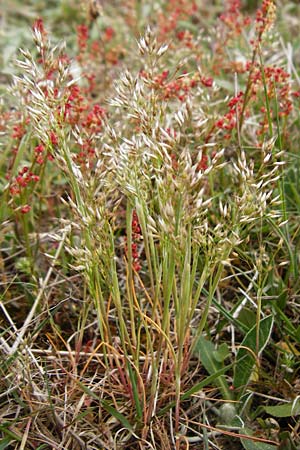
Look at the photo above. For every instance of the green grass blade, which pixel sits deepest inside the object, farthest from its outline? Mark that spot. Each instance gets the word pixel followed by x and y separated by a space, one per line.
pixel 247 351
pixel 110 409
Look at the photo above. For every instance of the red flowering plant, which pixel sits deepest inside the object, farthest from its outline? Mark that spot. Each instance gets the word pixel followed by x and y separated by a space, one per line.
pixel 255 79
pixel 70 105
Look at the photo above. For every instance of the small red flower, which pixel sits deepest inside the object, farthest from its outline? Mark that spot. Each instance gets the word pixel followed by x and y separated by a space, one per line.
pixel 39 149
pixel 82 36
pixel 109 33
pixel 38 25
pixel 25 209
pixel 53 138
pixel 207 81
pixel 18 131
pixel 203 163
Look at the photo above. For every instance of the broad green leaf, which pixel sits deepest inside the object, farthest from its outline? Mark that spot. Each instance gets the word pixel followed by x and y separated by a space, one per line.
pixel 247 317
pixel 221 353
pixel 252 445
pixel 245 365
pixel 285 409
pixel 248 444
pixel 207 354
pixel 237 422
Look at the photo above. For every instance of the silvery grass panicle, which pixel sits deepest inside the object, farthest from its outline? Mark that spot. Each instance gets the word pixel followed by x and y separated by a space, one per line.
pixel 255 197
pixel 165 179
pixel 154 180
pixel 91 201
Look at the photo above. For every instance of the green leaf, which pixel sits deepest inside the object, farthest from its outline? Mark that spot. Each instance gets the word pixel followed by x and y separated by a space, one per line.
pixel 286 442
pixel 237 422
pixel 285 409
pixel 135 391
pixel 247 317
pixel 10 434
pixel 245 358
pixel 298 333
pixel 195 389
pixel 213 364
pixel 5 442
pixel 110 409
pixel 248 444
pixel 253 445
pixel 221 353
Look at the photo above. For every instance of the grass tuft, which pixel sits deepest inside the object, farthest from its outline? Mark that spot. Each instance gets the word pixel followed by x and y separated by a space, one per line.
pixel 149 234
